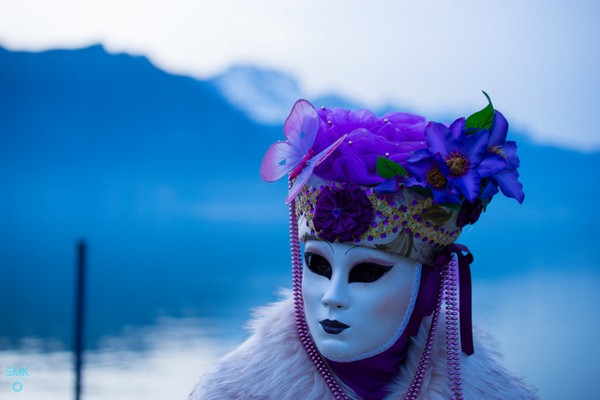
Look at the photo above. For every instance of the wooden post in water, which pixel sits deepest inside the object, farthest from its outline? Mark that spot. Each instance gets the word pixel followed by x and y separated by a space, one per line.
pixel 79 315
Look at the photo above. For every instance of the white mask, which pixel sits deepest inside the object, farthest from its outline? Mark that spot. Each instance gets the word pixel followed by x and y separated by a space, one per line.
pixel 368 294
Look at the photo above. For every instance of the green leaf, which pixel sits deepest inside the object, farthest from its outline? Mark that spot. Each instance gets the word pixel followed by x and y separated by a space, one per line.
pixel 388 169
pixel 483 118
pixel 437 215
pixel 402 245
pixel 407 245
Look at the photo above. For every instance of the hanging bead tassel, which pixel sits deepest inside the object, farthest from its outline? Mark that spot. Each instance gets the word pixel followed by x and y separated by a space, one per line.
pixel 301 326
pixel 452 330
pixel 417 382
pixel 455 282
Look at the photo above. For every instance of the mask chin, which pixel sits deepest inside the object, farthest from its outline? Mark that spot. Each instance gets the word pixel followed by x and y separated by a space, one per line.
pixel 349 356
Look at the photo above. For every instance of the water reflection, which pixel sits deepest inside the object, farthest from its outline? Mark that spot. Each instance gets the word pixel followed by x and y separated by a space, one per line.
pixel 175 353
pixel 545 324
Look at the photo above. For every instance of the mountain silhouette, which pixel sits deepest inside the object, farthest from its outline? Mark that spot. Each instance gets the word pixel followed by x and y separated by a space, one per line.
pixel 159 172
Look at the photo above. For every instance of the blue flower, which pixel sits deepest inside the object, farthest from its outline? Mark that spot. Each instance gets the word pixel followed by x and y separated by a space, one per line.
pixel 499 148
pixel 429 171
pixel 465 156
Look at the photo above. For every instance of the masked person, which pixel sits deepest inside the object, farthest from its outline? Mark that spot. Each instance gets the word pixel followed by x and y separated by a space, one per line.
pixel 381 304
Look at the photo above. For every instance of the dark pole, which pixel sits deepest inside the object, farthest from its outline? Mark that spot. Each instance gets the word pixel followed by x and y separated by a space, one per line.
pixel 79 315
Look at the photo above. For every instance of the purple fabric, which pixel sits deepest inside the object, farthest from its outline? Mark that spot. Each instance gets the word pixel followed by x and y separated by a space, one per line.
pixel 465 258
pixel 355 161
pixel 370 378
pixel 464 285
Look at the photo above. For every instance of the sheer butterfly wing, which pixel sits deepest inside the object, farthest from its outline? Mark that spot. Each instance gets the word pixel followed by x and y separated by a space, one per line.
pixel 280 159
pixel 299 183
pixel 301 126
pixel 318 159
pixel 300 129
pixel 309 168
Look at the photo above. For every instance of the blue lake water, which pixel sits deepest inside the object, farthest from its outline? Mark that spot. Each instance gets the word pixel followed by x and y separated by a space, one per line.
pixel 167 298
pixel 173 276
pixel 545 324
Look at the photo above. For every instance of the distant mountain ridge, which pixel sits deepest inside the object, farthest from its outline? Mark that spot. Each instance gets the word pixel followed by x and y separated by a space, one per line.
pixel 266 95
pixel 160 173
pixel 116 97
pixel 89 119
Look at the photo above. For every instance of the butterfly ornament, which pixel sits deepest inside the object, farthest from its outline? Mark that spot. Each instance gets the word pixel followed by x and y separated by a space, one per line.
pixel 296 155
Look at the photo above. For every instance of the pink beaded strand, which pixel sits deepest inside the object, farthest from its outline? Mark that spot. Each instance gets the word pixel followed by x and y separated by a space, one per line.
pixel 452 330
pixel 447 293
pixel 301 326
pixel 417 382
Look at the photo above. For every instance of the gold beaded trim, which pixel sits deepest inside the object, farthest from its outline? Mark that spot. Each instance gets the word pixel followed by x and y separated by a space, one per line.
pixel 417 216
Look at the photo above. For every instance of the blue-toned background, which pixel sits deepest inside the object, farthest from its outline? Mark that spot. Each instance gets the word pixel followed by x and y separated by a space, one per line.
pixel 158 172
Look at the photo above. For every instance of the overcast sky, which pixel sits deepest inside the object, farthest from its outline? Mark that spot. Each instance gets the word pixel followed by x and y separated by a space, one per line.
pixel 539 59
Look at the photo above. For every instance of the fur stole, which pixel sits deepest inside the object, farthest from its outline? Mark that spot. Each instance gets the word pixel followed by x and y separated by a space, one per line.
pixel 272 364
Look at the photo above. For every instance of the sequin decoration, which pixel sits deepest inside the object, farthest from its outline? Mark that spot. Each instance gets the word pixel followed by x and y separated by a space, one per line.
pixel 428 223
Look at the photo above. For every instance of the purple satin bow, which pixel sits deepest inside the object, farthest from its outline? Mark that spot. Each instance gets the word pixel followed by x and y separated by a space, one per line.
pixel 465 258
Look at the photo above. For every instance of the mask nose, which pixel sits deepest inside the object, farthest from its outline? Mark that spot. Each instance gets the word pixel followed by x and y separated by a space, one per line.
pixel 336 296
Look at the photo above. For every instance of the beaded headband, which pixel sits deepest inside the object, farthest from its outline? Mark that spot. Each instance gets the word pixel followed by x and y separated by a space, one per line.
pixel 398 223
pixel 396 183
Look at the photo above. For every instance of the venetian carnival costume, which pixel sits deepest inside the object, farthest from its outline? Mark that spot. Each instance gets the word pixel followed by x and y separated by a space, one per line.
pixel 380 306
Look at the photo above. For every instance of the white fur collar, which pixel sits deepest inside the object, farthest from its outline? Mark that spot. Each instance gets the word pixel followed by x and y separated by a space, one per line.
pixel 272 364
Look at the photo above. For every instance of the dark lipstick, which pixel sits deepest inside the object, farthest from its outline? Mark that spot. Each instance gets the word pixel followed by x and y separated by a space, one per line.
pixel 333 327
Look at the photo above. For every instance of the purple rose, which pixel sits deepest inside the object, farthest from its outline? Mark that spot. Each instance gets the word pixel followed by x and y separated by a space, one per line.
pixel 342 213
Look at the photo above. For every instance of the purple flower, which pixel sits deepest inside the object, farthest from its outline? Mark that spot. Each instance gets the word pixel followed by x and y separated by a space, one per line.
pixel 465 155
pixel 395 136
pixel 342 213
pixel 498 147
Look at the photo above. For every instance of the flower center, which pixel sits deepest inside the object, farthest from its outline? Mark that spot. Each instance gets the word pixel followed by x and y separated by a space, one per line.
pixel 498 150
pixel 458 164
pixel 336 212
pixel 435 178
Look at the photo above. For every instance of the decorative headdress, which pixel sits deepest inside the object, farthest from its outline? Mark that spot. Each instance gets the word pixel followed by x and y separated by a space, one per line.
pixel 396 183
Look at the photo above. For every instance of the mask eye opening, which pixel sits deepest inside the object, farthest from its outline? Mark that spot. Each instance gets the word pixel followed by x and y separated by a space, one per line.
pixel 368 272
pixel 318 264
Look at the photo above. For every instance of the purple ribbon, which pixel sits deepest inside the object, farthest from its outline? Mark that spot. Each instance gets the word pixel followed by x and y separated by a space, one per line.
pixel 465 258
